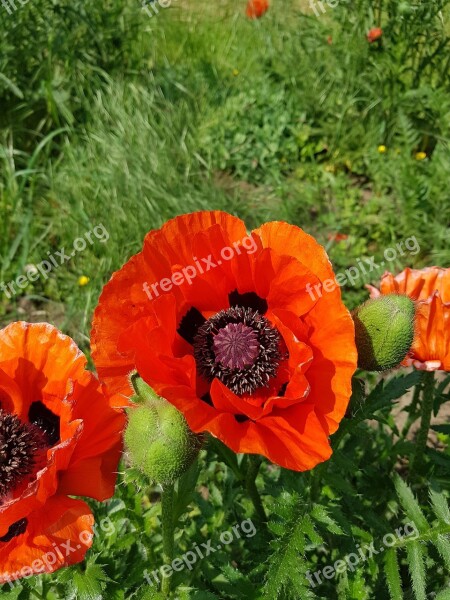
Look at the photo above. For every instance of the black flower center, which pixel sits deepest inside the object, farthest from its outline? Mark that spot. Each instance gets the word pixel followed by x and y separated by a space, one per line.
pixel 14 530
pixel 240 347
pixel 21 447
pixel 46 420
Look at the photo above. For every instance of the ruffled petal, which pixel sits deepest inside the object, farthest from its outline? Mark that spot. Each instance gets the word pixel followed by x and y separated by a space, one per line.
pixel 55 536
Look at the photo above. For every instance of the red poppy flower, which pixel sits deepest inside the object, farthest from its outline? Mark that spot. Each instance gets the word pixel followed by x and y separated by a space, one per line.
pixel 228 328
pixel 337 237
pixel 430 288
pixel 59 436
pixel 374 34
pixel 256 8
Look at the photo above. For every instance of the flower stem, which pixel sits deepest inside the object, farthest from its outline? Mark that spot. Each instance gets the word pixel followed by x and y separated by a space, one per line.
pixel 168 532
pixel 254 462
pixel 426 410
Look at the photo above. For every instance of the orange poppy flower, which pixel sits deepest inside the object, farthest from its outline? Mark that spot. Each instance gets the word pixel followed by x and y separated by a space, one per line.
pixel 221 323
pixel 374 34
pixel 59 436
pixel 257 8
pixel 337 237
pixel 430 288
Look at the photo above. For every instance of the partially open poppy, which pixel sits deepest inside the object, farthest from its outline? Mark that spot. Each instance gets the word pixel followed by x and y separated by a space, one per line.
pixel 224 325
pixel 430 289
pixel 59 436
pixel 256 8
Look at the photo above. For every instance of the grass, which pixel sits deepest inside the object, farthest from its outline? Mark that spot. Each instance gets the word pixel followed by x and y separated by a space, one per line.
pixel 264 119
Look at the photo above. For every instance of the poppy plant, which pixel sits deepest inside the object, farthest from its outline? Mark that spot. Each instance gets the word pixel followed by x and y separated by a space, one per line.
pixel 430 289
pixel 240 347
pixel 256 8
pixel 374 34
pixel 60 436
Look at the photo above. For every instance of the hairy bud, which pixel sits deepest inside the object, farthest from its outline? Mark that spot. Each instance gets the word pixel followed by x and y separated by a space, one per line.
pixel 157 437
pixel 384 330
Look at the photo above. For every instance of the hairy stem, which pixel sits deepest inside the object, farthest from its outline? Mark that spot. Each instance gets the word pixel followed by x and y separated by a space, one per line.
pixel 426 410
pixel 254 462
pixel 168 532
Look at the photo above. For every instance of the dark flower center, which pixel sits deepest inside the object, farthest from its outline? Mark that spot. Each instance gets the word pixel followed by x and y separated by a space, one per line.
pixel 14 530
pixel 21 448
pixel 240 347
pixel 48 422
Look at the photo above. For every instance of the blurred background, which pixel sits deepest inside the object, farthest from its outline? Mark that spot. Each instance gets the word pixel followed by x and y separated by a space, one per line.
pixel 336 119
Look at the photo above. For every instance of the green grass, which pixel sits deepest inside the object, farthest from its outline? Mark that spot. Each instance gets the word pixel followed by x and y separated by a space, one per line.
pixel 205 109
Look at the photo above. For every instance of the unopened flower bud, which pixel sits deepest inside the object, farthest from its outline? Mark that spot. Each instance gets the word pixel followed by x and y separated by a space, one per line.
pixel 157 437
pixel 384 330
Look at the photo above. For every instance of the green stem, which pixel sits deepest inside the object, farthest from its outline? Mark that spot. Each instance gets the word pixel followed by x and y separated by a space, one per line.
pixel 254 462
pixel 168 532
pixel 426 411
pixel 412 414
pixel 380 12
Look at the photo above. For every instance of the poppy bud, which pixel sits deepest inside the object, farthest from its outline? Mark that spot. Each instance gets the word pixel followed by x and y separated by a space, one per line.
pixel 384 330
pixel 157 437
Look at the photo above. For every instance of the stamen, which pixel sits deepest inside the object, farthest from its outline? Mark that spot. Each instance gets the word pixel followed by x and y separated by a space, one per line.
pixel 240 347
pixel 21 446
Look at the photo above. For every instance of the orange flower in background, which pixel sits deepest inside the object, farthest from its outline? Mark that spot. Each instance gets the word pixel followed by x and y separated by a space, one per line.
pixel 257 8
pixel 59 437
pixel 430 288
pixel 374 34
pixel 337 237
pixel 221 323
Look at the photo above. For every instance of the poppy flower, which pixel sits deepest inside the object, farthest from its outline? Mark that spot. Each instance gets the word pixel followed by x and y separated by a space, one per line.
pixel 221 323
pixel 337 237
pixel 430 289
pixel 59 436
pixel 256 8
pixel 374 34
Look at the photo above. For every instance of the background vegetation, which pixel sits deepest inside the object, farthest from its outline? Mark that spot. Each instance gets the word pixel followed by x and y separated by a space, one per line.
pixel 110 117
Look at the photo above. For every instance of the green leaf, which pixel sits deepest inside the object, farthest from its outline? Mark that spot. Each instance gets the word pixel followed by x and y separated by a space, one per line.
pixel 440 506
pixel 410 504
pixel 90 584
pixel 443 546
pixel 320 513
pixel 392 573
pixel 417 569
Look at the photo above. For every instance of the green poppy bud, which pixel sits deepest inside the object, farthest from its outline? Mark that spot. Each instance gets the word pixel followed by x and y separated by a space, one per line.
pixel 384 330
pixel 157 438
